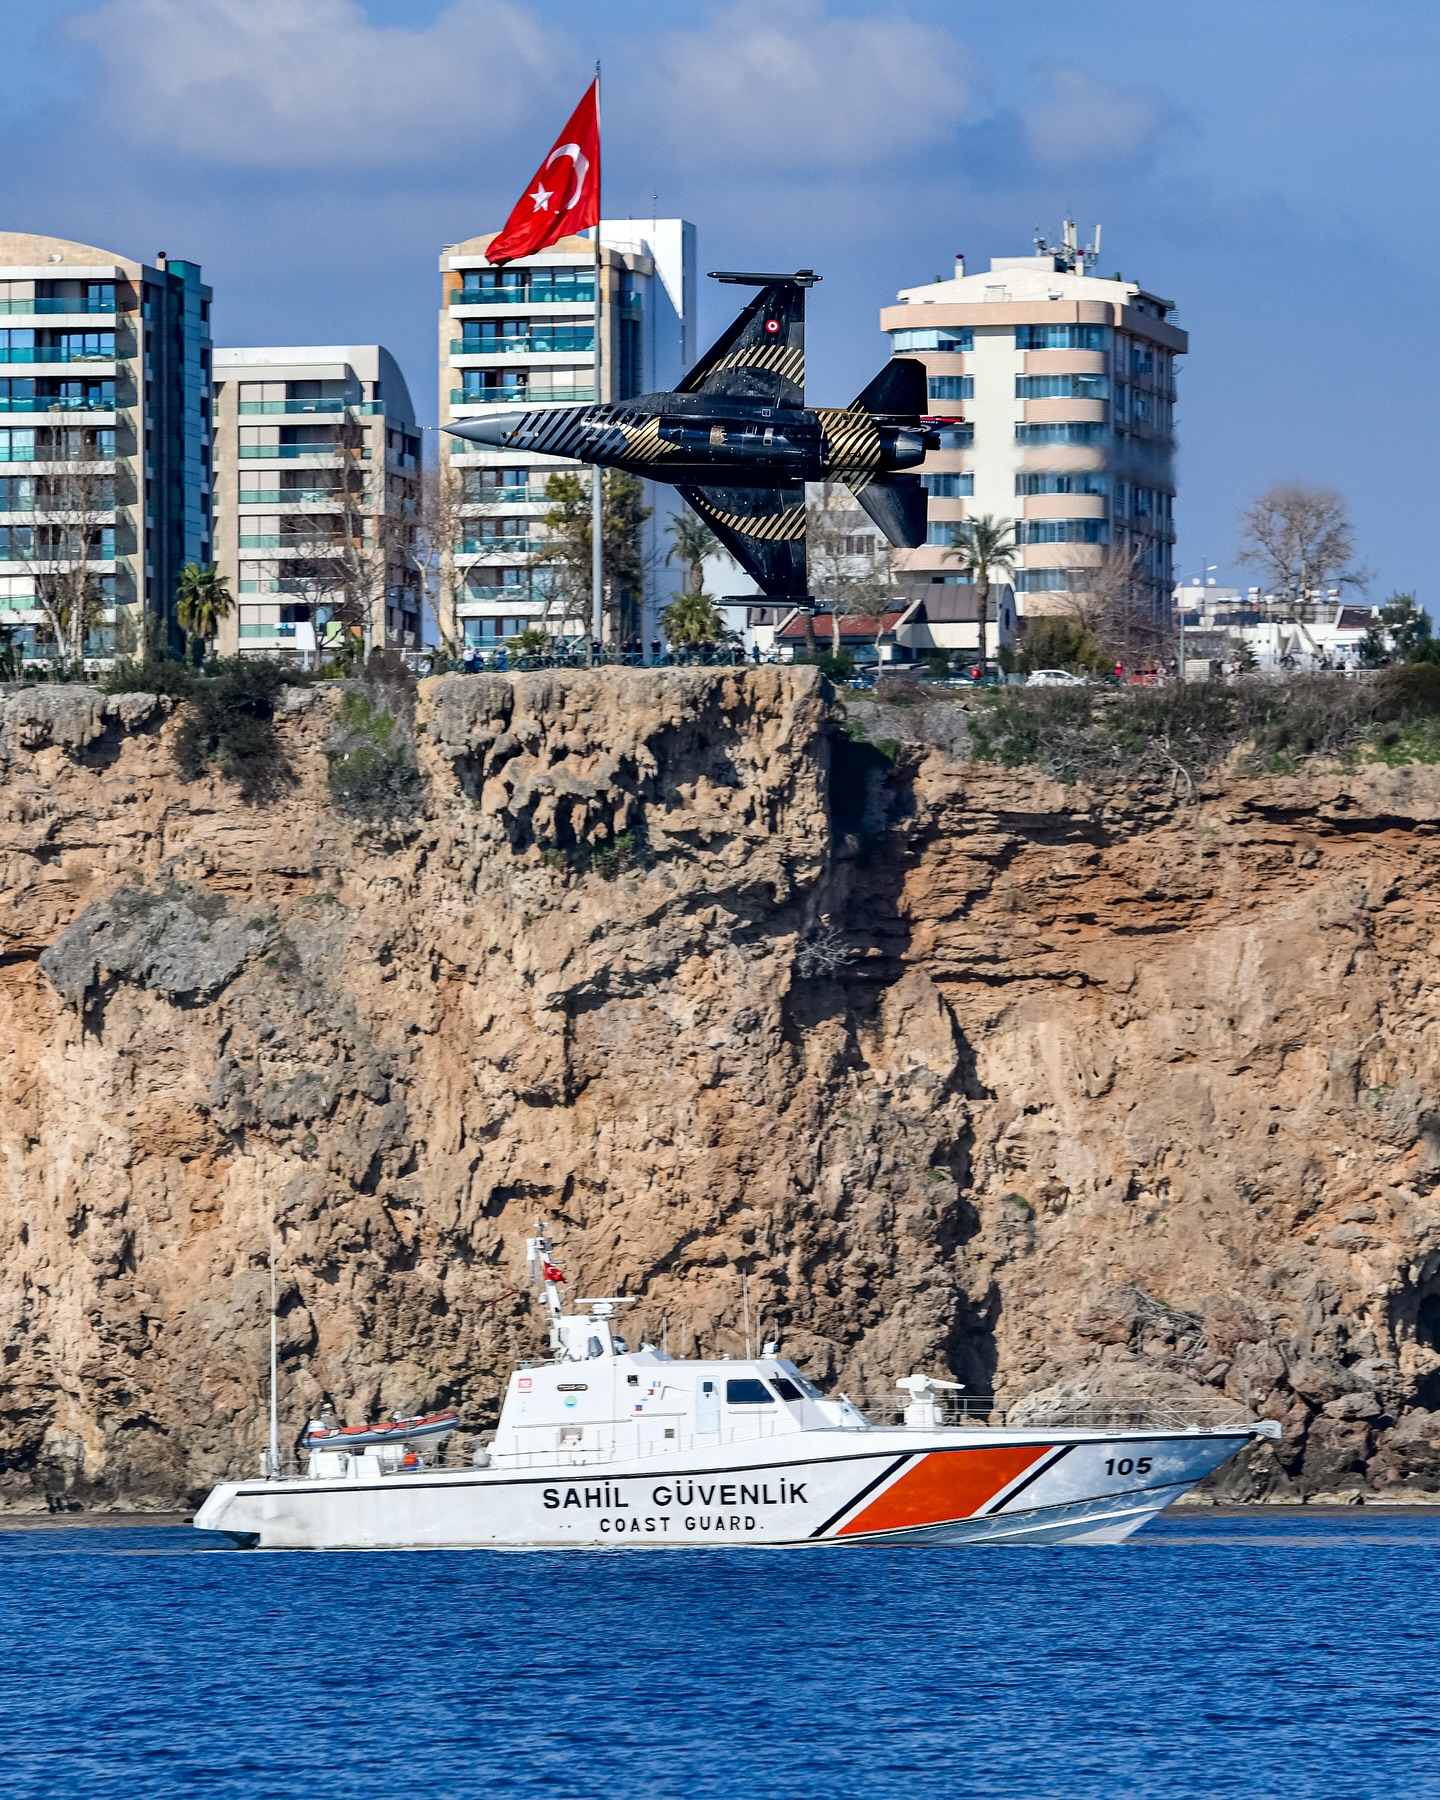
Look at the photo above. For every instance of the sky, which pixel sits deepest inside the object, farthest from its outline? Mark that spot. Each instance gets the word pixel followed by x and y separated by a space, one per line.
pixel 1269 165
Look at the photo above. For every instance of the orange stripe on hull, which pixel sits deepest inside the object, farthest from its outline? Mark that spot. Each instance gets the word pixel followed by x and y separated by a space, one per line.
pixel 946 1484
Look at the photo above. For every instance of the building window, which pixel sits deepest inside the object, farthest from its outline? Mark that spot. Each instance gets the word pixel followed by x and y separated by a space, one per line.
pixel 1068 432
pixel 490 287
pixel 1057 481
pixel 942 532
pixel 951 387
pixel 954 338
pixel 949 486
pixel 1061 531
pixel 860 544
pixel 1142 360
pixel 631 374
pixel 1048 581
pixel 1061 337
pixel 1061 387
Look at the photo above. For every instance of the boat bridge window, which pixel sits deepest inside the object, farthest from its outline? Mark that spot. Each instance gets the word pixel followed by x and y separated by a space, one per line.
pixel 787 1390
pixel 748 1393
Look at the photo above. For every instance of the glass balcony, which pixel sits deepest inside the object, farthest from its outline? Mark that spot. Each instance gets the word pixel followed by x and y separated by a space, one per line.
pixel 507 496
pixel 501 546
pixel 31 403
pixel 311 406
pixel 296 497
pixel 288 452
pixel 531 397
pixel 52 353
pixel 577 296
pixel 21 307
pixel 267 630
pixel 567 343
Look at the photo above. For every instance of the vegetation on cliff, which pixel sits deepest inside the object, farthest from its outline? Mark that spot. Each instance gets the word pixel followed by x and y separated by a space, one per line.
pixel 1189 730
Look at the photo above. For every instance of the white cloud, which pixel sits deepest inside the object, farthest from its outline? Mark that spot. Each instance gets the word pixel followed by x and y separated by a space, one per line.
pixel 784 83
pixel 1081 119
pixel 314 83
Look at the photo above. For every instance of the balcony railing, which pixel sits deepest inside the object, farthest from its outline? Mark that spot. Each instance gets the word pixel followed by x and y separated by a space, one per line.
pixel 296 497
pixel 532 397
pixel 21 307
pixel 580 296
pixel 268 630
pixel 288 452
pixel 506 546
pixel 311 406
pixel 509 496
pixel 574 343
pixel 52 353
pixel 57 403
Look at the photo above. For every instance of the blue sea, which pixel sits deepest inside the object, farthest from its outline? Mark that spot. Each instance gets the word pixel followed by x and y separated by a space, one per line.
pixel 1259 1655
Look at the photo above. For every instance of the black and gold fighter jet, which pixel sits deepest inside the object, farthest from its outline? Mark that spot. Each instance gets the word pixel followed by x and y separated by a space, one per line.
pixel 738 441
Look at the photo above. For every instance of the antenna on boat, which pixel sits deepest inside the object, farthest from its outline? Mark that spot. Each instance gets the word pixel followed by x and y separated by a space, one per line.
pixel 745 1303
pixel 540 1267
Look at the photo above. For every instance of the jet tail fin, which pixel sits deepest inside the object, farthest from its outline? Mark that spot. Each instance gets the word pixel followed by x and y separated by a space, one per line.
pixel 899 388
pixel 897 504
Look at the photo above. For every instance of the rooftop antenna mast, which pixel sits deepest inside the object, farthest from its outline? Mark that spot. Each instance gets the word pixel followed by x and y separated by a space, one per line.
pixel 1068 257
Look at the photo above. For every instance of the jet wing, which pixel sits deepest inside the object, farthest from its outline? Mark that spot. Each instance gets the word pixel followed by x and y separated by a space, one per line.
pixel 761 356
pixel 763 529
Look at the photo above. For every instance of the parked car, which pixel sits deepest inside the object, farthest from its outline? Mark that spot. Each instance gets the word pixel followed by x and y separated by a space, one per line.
pixel 1054 678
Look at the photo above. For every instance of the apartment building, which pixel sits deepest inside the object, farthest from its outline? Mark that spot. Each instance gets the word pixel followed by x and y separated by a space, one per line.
pixel 317 483
pixel 1061 384
pixel 105 443
pixel 524 335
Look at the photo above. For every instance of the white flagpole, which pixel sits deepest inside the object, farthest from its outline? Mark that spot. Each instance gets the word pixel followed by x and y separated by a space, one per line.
pixel 597 491
pixel 273 1455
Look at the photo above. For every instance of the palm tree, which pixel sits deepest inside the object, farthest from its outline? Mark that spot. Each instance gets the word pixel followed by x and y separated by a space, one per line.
pixel 692 619
pixel 202 601
pixel 987 547
pixel 694 541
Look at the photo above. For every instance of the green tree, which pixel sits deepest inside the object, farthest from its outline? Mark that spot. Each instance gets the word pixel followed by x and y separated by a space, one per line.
pixel 692 620
pixel 694 542
pixel 987 548
pixel 202 600
pixel 565 556
pixel 1408 628
pixel 1055 641
pixel 532 641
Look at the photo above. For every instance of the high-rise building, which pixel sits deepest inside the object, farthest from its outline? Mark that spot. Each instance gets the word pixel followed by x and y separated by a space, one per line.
pixel 317 483
pixel 524 336
pixel 105 442
pixel 1062 385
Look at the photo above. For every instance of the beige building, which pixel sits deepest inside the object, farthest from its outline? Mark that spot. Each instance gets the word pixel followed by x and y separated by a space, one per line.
pixel 524 336
pixel 105 443
pixel 317 481
pixel 1061 384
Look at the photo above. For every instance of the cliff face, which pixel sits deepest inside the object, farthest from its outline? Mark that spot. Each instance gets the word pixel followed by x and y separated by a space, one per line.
pixel 1067 1094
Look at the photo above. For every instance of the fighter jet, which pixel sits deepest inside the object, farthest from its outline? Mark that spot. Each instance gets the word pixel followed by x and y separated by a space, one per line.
pixel 738 441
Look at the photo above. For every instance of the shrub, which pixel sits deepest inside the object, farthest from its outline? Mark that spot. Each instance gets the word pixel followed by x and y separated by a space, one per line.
pixel 372 775
pixel 230 724
pixel 151 675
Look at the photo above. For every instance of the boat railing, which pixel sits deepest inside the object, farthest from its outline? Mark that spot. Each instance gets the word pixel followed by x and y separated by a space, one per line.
pixel 1076 1411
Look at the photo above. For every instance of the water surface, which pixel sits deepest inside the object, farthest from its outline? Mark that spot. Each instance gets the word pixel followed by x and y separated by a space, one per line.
pixel 1256 1656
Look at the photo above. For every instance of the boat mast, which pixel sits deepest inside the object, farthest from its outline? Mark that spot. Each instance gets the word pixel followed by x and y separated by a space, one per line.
pixel 272 1454
pixel 539 1252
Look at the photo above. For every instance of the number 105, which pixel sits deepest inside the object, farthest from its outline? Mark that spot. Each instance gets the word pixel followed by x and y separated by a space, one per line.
pixel 1126 1465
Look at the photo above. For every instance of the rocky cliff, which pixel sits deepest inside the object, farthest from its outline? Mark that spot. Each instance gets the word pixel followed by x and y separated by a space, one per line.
pixel 1076 1095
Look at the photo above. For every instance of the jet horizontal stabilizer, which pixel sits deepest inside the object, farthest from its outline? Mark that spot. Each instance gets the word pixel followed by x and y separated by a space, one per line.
pixel 897 504
pixel 801 277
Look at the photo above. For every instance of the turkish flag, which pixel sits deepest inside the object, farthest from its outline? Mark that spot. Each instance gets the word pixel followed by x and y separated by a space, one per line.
pixel 549 1271
pixel 565 195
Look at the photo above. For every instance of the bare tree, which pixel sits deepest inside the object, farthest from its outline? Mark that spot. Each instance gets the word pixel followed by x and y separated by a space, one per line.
pixel 62 546
pixel 439 521
pixel 851 564
pixel 1111 602
pixel 1302 539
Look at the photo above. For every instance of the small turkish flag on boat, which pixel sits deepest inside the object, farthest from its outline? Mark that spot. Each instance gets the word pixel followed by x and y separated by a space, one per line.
pixel 564 197
pixel 550 1272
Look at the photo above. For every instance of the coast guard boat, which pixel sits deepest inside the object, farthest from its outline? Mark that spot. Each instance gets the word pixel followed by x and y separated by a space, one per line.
pixel 603 1447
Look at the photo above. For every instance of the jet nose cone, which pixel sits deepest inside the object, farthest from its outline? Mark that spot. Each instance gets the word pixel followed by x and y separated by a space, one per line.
pixel 495 428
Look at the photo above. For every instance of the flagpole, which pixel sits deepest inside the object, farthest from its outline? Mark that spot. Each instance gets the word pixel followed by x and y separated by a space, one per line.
pixel 597 492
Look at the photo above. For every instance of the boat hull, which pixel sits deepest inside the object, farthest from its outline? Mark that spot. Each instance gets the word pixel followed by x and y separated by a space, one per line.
pixel 941 1486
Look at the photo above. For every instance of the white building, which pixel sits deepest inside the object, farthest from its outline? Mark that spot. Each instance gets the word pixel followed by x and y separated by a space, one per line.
pixel 524 336
pixel 1062 387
